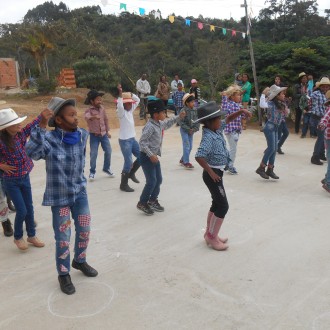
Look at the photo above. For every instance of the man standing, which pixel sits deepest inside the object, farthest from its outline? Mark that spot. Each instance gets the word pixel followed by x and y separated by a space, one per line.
pixel 143 88
pixel 318 111
pixel 246 88
pixel 175 82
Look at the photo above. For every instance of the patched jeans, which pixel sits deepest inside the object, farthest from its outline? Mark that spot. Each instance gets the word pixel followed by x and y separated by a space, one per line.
pixel 187 143
pixel 62 230
pixel 232 139
pixel 129 147
pixel 271 134
pixel 94 141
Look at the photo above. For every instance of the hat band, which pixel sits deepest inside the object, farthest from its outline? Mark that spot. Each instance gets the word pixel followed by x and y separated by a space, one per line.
pixel 211 114
pixel 8 122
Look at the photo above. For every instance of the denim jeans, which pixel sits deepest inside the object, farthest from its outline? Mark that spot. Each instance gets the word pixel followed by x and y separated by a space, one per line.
pixel 187 143
pixel 94 142
pixel 143 107
pixel 129 147
pixel 62 230
pixel 19 190
pixel 283 133
pixel 319 143
pixel 327 176
pixel 271 134
pixel 307 124
pixel 232 139
pixel 154 179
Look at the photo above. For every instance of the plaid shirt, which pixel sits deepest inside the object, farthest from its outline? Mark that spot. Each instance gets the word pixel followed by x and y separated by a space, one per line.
pixel 231 107
pixel 325 124
pixel 18 156
pixel 64 164
pixel 213 147
pixel 275 115
pixel 152 135
pixel 177 98
pixel 318 100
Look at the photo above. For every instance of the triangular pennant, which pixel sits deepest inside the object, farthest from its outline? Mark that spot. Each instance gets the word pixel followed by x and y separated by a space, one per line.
pixel 122 6
pixel 233 32
pixel 212 29
pixel 200 25
pixel 171 18
pixel 157 14
pixel 188 22
pixel 243 35
pixel 142 11
pixel 224 31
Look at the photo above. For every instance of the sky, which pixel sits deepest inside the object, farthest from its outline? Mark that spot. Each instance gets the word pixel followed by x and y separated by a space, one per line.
pixel 12 11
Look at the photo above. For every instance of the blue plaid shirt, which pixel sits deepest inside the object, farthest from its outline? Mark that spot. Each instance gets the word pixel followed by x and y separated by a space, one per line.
pixel 177 98
pixel 213 147
pixel 64 164
pixel 318 100
pixel 231 107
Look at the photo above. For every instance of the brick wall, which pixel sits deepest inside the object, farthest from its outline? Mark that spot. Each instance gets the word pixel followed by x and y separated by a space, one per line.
pixel 8 73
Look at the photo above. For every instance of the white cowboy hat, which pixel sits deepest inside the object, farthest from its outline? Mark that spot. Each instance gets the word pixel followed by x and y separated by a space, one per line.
pixel 323 81
pixel 8 117
pixel 187 96
pixel 274 90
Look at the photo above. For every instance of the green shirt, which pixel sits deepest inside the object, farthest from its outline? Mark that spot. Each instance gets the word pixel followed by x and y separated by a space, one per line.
pixel 247 91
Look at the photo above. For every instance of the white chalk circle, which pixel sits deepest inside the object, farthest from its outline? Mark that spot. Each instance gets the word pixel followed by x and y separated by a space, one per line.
pixel 90 298
pixel 322 322
pixel 238 234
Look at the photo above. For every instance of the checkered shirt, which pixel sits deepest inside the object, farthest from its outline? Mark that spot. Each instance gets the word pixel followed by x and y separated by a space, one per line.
pixel 213 147
pixel 236 124
pixel 18 156
pixel 274 115
pixel 325 124
pixel 64 164
pixel 177 98
pixel 318 100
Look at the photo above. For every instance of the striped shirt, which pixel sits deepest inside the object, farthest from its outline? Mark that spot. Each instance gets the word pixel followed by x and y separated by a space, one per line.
pixel 152 135
pixel 64 164
pixel 18 157
pixel 213 147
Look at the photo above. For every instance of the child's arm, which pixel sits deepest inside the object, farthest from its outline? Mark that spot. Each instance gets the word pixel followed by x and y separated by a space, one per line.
pixel 234 115
pixel 324 122
pixel 37 147
pixel 136 99
pixel 168 123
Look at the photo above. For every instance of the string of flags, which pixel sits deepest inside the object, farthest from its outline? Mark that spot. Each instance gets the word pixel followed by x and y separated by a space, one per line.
pixel 188 22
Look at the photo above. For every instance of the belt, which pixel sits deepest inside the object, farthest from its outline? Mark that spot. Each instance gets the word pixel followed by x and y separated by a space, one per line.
pixel 96 134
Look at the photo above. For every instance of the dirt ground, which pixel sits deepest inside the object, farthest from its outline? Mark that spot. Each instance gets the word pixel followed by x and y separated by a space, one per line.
pixel 157 273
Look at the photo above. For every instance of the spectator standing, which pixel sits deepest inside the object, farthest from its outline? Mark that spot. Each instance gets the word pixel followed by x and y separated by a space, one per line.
pixel 194 89
pixel 143 88
pixel 175 82
pixel 246 89
pixel 238 79
pixel 163 91
pixel 299 89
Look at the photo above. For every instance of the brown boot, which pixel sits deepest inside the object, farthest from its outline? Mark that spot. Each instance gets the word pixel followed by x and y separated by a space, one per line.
pixel 35 241
pixel 21 244
pixel 270 172
pixel 261 171
pixel 7 228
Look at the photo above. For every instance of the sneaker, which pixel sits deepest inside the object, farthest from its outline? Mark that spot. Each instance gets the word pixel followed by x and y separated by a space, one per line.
pixel 110 174
pixel 326 187
pixel 35 241
pixel 188 166
pixel 85 268
pixel 232 170
pixel 155 206
pixel 7 228
pixel 66 285
pixel 21 244
pixel 145 208
pixel 91 177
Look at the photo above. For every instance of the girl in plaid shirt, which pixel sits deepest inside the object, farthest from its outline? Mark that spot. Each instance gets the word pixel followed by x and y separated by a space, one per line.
pixel 15 172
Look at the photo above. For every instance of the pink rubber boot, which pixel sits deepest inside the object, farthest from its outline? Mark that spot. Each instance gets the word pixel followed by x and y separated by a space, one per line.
pixel 209 216
pixel 212 235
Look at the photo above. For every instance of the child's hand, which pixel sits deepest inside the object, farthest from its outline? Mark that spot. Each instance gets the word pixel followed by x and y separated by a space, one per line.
pixel 247 113
pixel 7 168
pixel 45 114
pixel 154 159
pixel 215 177
pixel 182 114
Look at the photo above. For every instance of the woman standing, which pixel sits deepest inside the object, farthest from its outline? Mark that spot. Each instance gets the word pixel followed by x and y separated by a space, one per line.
pixel 276 110
pixel 299 89
pixel 163 90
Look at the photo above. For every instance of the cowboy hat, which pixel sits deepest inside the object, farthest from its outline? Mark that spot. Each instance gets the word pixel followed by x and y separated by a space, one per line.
pixel 55 104
pixel 188 97
pixel 274 90
pixel 323 81
pixel 127 98
pixel 8 117
pixel 208 111
pixel 92 95
pixel 156 106
pixel 301 74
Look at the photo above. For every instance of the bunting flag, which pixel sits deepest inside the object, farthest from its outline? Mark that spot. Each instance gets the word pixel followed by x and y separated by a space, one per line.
pixel 171 19
pixel 233 33
pixel 122 6
pixel 200 25
pixel 188 22
pixel 157 14
pixel 142 11
pixel 212 28
pixel 224 31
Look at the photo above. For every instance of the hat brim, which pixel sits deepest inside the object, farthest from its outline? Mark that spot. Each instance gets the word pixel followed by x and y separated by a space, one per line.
pixel 272 94
pixel 18 120
pixel 318 84
pixel 213 115
pixel 88 99
pixel 126 101
pixel 51 121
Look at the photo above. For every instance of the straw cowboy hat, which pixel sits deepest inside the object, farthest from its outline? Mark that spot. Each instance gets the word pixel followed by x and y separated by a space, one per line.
pixel 55 104
pixel 323 81
pixel 208 111
pixel 274 90
pixel 8 117
pixel 127 98
pixel 188 97
pixel 301 74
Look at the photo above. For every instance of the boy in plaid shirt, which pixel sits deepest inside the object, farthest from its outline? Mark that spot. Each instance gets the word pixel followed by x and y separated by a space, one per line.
pixel 177 98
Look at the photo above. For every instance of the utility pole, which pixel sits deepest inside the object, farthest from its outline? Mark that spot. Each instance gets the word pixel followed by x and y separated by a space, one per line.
pixel 254 71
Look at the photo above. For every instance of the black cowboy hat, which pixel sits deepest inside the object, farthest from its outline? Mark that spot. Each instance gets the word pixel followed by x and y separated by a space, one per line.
pixel 156 106
pixel 91 95
pixel 208 111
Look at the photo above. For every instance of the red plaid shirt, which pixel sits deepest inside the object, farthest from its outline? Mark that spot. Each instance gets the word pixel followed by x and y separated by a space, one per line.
pixel 325 124
pixel 18 157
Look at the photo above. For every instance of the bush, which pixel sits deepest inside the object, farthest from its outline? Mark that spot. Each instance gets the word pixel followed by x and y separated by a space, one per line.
pixel 45 85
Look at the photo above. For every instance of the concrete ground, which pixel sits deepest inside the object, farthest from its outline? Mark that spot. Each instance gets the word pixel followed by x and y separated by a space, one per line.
pixel 157 273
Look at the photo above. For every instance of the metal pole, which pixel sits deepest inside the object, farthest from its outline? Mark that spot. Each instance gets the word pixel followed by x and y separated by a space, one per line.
pixel 254 71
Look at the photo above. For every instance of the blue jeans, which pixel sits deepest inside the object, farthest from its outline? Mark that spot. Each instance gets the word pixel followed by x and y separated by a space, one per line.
pixel 283 133
pixel 327 176
pixel 187 143
pixel 319 143
pixel 307 124
pixel 94 141
pixel 129 147
pixel 153 174
pixel 271 134
pixel 19 190
pixel 232 139
pixel 62 230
